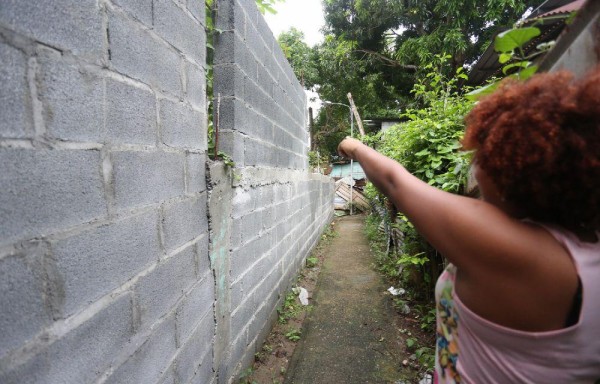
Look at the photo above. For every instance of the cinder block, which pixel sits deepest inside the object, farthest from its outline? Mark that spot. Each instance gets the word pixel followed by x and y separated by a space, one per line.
pixel 267 195
pixel 192 353
pixel 203 257
pixel 281 138
pixel 237 293
pixel 231 49
pixel 95 262
pixel 195 307
pixel 139 9
pixel 235 362
pixel 268 218
pixel 17 119
pixel 130 114
pixel 152 359
pixel 142 178
pixel 232 143
pixel 260 321
pixel 265 31
pixel 184 221
pixel 170 377
pixel 251 91
pixel 230 17
pixel 243 258
pixel 182 31
pixel 73 100
pixel 157 292
pixel 84 353
pixel 198 9
pixel 22 298
pixel 196 172
pixel 279 194
pixel 181 126
pixel 229 81
pixel 244 201
pixel 256 152
pixel 74 25
pixel 251 10
pixel 251 225
pixel 253 39
pixel 241 317
pixel 47 190
pixel 135 53
pixel 236 233
pixel 87 351
pixel 230 114
pixel 259 271
pixel 196 86
pixel 204 374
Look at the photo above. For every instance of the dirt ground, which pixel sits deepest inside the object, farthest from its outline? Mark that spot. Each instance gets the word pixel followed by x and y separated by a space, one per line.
pixel 351 332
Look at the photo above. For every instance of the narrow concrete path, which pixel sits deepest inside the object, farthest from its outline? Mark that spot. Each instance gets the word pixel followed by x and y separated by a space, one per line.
pixel 350 335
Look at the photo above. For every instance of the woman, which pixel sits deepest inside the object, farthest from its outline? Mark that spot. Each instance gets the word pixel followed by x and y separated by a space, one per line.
pixel 520 301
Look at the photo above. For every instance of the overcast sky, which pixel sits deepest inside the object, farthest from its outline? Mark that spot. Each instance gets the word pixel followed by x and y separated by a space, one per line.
pixel 305 15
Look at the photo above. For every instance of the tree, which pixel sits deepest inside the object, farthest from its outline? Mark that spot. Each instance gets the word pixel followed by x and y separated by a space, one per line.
pixel 300 55
pixel 412 31
pixel 378 49
pixel 267 5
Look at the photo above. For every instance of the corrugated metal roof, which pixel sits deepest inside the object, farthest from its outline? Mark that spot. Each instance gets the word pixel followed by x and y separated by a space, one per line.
pixel 568 8
pixel 343 170
pixel 488 65
pixel 548 6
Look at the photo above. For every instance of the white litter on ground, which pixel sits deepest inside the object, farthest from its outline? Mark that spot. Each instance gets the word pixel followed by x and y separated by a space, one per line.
pixel 302 295
pixel 396 291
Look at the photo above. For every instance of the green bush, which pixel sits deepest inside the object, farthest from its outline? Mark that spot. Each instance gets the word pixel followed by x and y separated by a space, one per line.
pixel 428 145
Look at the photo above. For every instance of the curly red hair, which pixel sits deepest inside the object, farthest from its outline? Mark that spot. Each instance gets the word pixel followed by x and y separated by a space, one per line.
pixel 539 141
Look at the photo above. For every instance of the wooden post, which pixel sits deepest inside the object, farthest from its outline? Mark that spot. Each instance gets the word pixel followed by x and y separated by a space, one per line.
pixel 356 115
pixel 311 129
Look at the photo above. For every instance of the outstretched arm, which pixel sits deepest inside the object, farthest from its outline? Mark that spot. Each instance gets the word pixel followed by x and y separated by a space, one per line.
pixel 510 272
pixel 474 235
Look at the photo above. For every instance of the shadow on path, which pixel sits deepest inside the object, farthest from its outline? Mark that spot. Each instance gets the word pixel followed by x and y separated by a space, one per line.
pixel 350 335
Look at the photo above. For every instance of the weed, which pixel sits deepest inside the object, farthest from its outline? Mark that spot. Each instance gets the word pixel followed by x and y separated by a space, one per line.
pixel 289 309
pixel 259 357
pixel 411 342
pixel 227 160
pixel 428 320
pixel 328 234
pixel 311 262
pixel 293 334
pixel 245 376
pixel 425 356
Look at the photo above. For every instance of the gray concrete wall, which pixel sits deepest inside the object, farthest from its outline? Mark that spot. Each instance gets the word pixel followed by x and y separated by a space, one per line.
pixel 125 255
pixel 278 210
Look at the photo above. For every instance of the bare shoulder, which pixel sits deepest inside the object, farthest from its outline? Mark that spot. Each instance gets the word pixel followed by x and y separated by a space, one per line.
pixel 527 280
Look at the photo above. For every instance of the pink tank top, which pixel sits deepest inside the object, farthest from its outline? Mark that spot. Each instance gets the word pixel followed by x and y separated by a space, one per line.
pixel 471 349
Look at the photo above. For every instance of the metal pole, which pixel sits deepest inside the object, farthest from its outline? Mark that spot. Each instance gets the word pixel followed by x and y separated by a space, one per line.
pixel 351 161
pixel 351 164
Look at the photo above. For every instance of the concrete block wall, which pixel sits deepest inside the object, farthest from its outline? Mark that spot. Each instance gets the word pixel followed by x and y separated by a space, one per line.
pixel 104 269
pixel 261 104
pixel 126 256
pixel 278 209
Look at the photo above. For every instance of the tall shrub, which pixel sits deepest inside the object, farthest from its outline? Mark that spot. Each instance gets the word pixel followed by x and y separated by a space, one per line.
pixel 428 145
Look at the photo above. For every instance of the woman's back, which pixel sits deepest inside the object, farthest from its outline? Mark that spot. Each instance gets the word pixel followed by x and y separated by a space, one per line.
pixel 471 349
